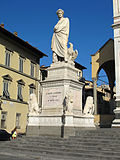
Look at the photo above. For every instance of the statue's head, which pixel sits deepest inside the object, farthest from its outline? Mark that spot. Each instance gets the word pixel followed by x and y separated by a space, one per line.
pixel 60 13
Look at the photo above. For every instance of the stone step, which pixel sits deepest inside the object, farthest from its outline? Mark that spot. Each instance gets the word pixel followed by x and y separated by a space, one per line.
pixel 93 137
pixel 66 146
pixel 20 156
pixel 76 140
pixel 87 145
pixel 108 131
pixel 98 134
pixel 63 152
pixel 114 135
pixel 63 146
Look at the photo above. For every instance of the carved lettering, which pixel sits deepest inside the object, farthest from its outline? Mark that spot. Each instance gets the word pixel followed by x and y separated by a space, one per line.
pixel 52 97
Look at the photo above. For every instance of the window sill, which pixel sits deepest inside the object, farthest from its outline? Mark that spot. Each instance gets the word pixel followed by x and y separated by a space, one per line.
pixel 14 100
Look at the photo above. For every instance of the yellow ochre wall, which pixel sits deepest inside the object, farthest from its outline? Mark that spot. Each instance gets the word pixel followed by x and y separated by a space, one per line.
pixel 12 105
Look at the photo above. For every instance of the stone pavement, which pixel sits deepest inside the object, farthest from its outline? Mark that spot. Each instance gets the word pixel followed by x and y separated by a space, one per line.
pixel 88 144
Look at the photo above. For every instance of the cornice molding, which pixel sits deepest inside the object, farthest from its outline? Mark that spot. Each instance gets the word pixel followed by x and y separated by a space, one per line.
pixel 14 100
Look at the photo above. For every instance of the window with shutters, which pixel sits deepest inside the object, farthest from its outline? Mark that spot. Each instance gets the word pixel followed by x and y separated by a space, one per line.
pixel 32 69
pixel 7 58
pixel 5 89
pixel 21 60
pixel 32 88
pixel 21 84
pixel 19 94
pixel 6 83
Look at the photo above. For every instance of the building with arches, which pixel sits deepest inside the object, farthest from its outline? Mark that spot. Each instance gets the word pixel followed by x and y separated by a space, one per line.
pixel 104 59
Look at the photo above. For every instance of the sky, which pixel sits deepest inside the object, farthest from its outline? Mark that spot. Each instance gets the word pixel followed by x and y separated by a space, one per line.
pixel 34 20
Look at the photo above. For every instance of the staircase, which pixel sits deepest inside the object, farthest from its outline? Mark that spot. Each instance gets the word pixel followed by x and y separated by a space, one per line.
pixel 88 144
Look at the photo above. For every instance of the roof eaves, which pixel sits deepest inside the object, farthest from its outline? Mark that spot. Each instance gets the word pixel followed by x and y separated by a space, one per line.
pixel 22 42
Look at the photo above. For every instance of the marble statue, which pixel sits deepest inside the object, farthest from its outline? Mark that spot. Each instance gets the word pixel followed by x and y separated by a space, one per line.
pixel 89 106
pixel 60 37
pixel 33 105
pixel 69 103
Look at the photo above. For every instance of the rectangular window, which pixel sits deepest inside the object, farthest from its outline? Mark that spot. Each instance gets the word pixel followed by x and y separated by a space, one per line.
pixel 18 116
pixel 31 90
pixel 5 89
pixel 32 69
pixel 3 119
pixel 79 74
pixel 19 94
pixel 7 58
pixel 21 64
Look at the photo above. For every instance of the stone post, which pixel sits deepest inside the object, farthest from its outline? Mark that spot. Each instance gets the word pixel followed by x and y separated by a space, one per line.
pixel 116 27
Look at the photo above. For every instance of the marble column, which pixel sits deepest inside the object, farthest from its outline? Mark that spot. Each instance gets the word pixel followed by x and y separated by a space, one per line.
pixel 116 27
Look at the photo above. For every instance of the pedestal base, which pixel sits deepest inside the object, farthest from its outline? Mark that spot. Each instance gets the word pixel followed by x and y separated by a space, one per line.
pixel 56 126
pixel 44 125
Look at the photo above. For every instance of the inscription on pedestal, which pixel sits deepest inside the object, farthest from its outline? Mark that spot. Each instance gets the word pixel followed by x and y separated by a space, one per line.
pixel 52 97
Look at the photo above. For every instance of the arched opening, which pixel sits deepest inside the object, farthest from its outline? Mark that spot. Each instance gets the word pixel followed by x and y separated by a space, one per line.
pixel 103 76
pixel 104 94
pixel 106 74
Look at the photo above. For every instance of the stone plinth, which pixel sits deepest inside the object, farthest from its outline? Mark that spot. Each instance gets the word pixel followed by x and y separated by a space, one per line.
pixel 61 103
pixel 62 78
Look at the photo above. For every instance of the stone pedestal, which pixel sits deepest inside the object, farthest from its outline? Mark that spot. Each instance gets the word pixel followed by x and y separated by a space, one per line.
pixel 62 78
pixel 58 118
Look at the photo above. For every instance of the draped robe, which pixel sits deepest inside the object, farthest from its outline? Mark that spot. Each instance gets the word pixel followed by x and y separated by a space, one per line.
pixel 60 37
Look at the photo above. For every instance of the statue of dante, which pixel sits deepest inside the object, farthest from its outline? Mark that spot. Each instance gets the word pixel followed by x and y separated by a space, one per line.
pixel 60 37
